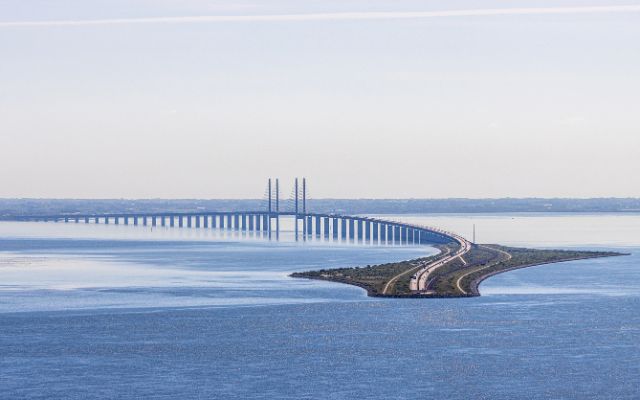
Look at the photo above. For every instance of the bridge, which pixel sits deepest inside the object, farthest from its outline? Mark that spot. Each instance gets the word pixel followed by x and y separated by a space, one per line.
pixel 306 225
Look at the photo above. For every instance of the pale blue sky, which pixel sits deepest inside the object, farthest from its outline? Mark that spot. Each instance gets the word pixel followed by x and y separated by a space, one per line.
pixel 457 106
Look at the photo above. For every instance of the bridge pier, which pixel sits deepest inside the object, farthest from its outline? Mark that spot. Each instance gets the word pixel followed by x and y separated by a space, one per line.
pixel 265 222
pixel 326 227
pixel 367 231
pixel 352 229
pixel 252 218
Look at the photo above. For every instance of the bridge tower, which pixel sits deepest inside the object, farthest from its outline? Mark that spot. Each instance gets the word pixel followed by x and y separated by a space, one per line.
pixel 277 209
pixel 304 209
pixel 273 208
pixel 295 201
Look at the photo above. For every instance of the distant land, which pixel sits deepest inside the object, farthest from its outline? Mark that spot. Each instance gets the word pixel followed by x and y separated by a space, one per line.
pixel 12 207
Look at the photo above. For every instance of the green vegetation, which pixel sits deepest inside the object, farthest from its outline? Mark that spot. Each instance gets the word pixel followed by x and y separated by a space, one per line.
pixel 457 278
pixel 373 278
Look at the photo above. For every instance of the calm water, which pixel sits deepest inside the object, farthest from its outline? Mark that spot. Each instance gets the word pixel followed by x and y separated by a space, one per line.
pixel 125 312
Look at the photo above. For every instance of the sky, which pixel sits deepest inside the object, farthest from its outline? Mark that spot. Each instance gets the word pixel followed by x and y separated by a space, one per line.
pixel 366 99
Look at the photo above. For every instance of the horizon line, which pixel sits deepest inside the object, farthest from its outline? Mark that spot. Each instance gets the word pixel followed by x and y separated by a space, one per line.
pixel 366 15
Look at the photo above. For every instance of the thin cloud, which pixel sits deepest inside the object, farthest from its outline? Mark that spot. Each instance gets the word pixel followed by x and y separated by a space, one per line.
pixel 328 16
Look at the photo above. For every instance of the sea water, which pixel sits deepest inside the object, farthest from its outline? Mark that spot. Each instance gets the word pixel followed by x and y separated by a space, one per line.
pixel 129 312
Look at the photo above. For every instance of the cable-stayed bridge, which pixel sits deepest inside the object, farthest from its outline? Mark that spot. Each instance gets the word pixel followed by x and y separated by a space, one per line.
pixel 307 225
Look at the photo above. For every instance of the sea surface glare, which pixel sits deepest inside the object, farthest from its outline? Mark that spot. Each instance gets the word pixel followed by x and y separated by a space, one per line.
pixel 124 312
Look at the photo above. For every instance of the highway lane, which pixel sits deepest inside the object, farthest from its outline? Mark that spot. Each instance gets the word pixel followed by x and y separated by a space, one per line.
pixel 419 281
pixel 507 258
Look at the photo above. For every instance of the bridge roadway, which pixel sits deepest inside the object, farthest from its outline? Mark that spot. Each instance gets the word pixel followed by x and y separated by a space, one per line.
pixel 420 280
pixel 329 226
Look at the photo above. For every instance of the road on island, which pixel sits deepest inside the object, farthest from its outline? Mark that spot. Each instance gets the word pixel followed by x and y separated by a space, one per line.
pixel 504 253
pixel 419 281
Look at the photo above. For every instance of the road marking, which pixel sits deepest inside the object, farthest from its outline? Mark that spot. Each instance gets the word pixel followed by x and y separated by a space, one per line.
pixel 508 257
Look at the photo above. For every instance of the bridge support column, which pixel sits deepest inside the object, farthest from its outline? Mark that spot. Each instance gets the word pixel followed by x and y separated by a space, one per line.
pixel 367 231
pixel 252 217
pixel 376 228
pixel 352 229
pixel 117 220
pixel 334 226
pixel 243 222
pixel 236 221
pixel 229 221
pixel 86 220
pixel 405 239
pixel 172 221
pixel 163 220
pixel 135 220
pixel 359 230
pixel 126 220
pixel 343 228
pixel 265 222
pixel 213 220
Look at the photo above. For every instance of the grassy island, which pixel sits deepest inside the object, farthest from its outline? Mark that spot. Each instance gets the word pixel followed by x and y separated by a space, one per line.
pixel 457 278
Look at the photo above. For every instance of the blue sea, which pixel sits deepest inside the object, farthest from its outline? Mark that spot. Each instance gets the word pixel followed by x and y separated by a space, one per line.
pixel 124 312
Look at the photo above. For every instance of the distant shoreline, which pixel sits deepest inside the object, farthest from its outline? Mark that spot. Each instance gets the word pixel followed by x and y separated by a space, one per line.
pixel 31 206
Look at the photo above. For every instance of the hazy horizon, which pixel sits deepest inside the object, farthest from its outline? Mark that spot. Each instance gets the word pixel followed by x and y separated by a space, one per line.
pixel 385 100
